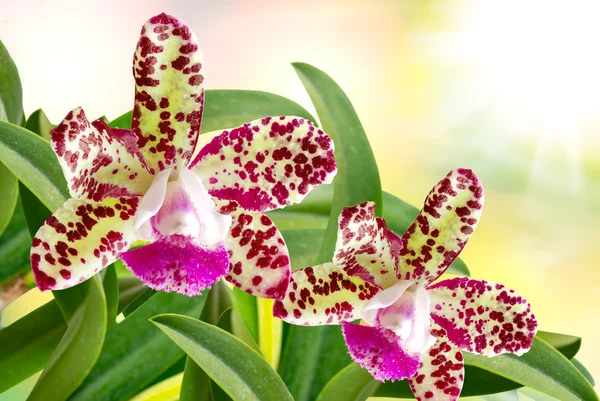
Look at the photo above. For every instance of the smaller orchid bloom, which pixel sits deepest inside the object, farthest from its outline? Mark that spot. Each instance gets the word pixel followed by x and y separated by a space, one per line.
pixel 412 327
pixel 200 208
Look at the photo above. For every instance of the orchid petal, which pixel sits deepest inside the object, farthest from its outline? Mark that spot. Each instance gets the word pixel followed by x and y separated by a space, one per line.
pixel 443 228
pixel 169 97
pixel 150 205
pixel 382 300
pixel 482 317
pixel 403 309
pixel 365 247
pixel 98 162
pixel 178 264
pixel 266 164
pixel 214 226
pixel 441 373
pixel 80 239
pixel 379 351
pixel 260 262
pixel 324 294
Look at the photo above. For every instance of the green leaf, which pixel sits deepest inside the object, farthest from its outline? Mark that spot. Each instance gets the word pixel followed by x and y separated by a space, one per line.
pixel 508 372
pixel 28 343
pixel 129 289
pixel 77 351
pixel 239 370
pixel 246 306
pixel 110 282
pixel 218 301
pixel 139 301
pixel 196 385
pixel 567 345
pixel 11 110
pixel 11 93
pixel 350 384
pixel 583 371
pixel 35 212
pixel 232 108
pixel 38 122
pixel 304 367
pixel 31 159
pixel 15 243
pixel 9 193
pixel 357 179
pixel 231 322
pixel 303 246
pixel 542 368
pixel 285 220
pixel 134 353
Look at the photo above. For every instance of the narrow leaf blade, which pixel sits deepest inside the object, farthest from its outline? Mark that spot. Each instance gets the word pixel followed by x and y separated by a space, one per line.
pixel 77 351
pixel 235 367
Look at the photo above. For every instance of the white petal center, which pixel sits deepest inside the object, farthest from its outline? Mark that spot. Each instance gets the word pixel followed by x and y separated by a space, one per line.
pixel 403 309
pixel 178 203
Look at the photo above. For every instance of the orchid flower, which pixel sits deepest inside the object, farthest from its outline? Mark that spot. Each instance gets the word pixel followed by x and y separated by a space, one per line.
pixel 200 209
pixel 412 327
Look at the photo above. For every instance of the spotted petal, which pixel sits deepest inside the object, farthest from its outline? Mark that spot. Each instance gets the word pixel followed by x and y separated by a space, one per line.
pixel 324 294
pixel 441 372
pixel 440 232
pixel 177 263
pixel 379 351
pixel 80 239
pixel 481 317
pixel 260 263
pixel 169 97
pixel 97 161
pixel 365 247
pixel 266 164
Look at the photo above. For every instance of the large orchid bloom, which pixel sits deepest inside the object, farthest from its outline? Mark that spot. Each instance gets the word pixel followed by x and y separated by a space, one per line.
pixel 200 209
pixel 415 329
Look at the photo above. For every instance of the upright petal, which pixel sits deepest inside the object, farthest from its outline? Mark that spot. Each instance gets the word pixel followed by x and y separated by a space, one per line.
pixel 441 372
pixel 322 295
pixel 260 263
pixel 443 228
pixel 365 247
pixel 266 164
pixel 481 317
pixel 379 351
pixel 97 161
pixel 80 239
pixel 177 263
pixel 169 96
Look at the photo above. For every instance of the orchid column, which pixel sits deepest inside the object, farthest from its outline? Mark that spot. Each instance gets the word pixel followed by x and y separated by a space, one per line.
pixel 201 210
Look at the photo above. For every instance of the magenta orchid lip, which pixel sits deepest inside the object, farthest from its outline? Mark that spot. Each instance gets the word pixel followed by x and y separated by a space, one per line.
pixel 201 209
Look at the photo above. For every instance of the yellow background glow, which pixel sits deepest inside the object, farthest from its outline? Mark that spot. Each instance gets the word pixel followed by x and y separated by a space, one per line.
pixel 509 90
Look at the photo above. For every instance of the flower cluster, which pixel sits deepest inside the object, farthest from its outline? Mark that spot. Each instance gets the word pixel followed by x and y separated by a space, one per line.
pixel 414 327
pixel 200 212
pixel 200 208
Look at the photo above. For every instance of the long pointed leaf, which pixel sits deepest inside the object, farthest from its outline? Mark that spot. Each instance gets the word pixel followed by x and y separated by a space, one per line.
pixel 134 353
pixel 77 351
pixel 234 366
pixel 31 159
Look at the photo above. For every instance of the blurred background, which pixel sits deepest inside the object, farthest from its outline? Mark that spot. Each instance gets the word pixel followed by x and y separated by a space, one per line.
pixel 508 88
